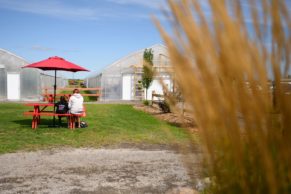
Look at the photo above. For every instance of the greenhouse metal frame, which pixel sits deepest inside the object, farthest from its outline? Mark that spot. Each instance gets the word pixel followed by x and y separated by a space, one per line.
pixel 22 84
pixel 122 79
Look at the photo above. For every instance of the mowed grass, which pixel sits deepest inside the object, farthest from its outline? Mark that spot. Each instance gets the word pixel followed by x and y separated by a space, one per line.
pixel 108 125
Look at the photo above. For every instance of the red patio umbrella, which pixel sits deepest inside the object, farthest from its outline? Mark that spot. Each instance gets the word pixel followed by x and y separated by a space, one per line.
pixel 56 63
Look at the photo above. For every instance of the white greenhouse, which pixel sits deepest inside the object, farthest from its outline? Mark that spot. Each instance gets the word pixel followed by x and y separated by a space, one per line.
pixel 22 84
pixel 122 79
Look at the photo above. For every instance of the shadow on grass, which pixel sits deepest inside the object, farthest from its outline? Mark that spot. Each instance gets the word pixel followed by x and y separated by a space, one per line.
pixel 28 122
pixel 182 125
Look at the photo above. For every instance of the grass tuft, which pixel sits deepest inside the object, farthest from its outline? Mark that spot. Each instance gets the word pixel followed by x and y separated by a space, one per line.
pixel 222 65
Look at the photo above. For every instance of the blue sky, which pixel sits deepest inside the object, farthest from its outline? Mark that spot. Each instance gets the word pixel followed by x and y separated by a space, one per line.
pixel 91 33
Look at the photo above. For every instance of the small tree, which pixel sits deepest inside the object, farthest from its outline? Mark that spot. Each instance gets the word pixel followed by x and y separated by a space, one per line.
pixel 148 73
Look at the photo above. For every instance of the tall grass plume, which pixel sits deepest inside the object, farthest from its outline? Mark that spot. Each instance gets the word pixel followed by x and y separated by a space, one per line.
pixel 229 64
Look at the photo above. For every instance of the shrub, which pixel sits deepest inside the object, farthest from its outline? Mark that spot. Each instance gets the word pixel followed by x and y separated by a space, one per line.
pixel 146 102
pixel 164 106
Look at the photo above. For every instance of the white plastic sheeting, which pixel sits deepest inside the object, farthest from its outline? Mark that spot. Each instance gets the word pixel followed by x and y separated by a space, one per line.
pixel 31 80
pixel 114 76
pixel 3 92
pixel 158 88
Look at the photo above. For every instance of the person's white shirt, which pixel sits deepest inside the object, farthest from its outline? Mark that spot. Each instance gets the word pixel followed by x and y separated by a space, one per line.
pixel 76 103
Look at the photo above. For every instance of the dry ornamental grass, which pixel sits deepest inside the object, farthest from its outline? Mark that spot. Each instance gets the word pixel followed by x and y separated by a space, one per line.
pixel 223 66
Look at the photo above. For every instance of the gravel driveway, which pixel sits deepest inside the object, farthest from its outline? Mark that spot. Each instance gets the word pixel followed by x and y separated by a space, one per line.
pixel 89 170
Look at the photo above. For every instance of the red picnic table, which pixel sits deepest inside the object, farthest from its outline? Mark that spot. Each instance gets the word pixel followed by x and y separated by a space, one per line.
pixel 39 109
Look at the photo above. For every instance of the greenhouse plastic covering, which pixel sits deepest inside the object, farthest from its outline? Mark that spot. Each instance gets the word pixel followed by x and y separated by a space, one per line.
pixel 32 81
pixel 110 79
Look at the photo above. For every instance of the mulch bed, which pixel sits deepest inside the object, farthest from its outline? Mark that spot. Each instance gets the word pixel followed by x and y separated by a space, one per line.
pixel 185 120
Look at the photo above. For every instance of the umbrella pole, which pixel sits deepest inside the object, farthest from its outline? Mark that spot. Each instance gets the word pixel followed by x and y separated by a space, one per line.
pixel 55 89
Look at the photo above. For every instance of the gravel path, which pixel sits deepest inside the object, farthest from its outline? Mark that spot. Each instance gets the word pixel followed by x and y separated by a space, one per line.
pixel 93 171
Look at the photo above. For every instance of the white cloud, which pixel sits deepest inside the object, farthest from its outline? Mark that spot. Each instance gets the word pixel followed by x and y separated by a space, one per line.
pixel 48 49
pixel 152 4
pixel 89 10
pixel 53 8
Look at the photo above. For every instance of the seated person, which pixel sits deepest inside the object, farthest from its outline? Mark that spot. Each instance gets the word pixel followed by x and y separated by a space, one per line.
pixel 62 108
pixel 76 104
pixel 50 98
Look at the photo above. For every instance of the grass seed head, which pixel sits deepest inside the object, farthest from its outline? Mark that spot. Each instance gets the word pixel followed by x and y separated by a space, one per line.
pixel 223 67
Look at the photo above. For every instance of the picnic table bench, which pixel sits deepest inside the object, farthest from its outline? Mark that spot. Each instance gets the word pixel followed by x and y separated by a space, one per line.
pixel 48 95
pixel 157 98
pixel 37 113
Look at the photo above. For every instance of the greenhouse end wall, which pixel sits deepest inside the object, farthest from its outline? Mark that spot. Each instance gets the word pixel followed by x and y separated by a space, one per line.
pixel 111 88
pixel 3 92
pixel 31 80
pixel 111 78
pixel 29 84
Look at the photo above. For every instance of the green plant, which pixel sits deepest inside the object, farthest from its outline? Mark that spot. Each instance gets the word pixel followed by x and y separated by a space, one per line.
pixel 148 73
pixel 164 106
pixel 139 85
pixel 146 102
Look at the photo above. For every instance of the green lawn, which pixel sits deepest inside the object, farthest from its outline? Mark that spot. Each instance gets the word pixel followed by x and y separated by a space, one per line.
pixel 108 125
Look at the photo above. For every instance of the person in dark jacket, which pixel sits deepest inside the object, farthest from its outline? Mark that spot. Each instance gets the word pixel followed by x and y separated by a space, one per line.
pixel 62 108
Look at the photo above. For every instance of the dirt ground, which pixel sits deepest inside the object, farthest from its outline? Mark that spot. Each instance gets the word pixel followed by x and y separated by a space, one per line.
pixel 182 120
pixel 87 170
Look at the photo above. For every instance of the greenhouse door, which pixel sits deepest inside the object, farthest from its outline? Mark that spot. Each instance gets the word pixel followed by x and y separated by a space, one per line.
pixel 13 86
pixel 126 87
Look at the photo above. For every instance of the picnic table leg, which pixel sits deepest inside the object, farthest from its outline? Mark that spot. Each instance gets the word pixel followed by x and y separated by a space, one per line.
pixel 38 117
pixel 34 119
pixel 71 122
pixel 74 122
pixel 79 121
pixel 34 122
pixel 68 121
